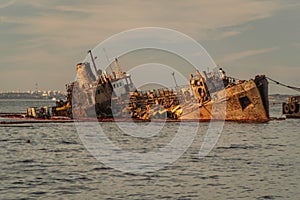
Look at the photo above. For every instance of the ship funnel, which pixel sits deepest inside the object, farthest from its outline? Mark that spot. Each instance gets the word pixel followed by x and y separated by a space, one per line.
pixel 85 76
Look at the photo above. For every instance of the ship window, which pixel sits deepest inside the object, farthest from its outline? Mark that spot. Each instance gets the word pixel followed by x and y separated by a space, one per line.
pixel 245 102
pixel 200 91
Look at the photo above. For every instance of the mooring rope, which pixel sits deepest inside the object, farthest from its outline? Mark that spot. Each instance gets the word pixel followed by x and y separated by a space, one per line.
pixel 284 85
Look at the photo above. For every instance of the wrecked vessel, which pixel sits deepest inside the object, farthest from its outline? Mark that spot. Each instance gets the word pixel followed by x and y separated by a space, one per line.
pixel 209 96
pixel 237 101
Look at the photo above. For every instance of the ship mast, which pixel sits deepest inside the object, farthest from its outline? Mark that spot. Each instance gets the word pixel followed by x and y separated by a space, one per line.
pixel 94 64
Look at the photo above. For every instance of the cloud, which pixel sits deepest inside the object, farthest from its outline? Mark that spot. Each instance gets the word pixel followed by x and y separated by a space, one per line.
pixel 297 45
pixel 60 30
pixel 245 54
pixel 89 22
pixel 198 17
pixel 38 3
pixel 6 4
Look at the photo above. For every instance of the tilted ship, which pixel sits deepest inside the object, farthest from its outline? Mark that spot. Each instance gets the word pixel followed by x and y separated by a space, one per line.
pixel 209 96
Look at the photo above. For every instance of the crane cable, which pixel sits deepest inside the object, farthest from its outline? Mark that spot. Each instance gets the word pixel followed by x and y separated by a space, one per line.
pixel 284 85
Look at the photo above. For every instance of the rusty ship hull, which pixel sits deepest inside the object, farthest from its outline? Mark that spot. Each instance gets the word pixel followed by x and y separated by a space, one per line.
pixel 244 102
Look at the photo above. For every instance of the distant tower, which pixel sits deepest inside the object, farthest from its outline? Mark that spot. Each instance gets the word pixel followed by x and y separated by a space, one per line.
pixel 36 87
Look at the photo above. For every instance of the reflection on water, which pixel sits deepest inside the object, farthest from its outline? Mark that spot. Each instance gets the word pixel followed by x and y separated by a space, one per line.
pixel 250 161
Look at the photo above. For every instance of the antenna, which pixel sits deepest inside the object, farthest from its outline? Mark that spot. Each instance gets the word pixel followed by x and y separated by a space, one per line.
pixel 173 74
pixel 107 60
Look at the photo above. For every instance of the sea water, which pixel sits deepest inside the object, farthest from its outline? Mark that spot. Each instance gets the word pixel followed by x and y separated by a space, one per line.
pixel 249 161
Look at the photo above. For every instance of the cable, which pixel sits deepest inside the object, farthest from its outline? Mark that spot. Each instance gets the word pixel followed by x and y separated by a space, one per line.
pixel 284 85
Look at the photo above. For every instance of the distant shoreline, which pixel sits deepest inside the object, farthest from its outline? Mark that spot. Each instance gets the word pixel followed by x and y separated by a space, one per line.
pixel 41 99
pixel 30 96
pixel 37 97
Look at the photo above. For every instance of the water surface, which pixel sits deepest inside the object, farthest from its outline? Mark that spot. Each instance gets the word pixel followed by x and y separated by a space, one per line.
pixel 250 161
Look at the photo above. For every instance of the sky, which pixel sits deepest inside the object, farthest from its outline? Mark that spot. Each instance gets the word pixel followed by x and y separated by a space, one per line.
pixel 41 41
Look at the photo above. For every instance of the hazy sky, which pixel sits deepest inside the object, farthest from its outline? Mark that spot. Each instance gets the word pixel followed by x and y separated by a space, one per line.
pixel 41 40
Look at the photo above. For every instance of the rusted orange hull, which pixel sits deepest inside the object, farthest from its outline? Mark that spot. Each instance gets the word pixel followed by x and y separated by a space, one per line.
pixel 245 102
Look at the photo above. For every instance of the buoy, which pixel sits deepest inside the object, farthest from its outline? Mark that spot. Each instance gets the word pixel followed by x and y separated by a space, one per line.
pixel 27 141
pixel 286 108
pixel 292 107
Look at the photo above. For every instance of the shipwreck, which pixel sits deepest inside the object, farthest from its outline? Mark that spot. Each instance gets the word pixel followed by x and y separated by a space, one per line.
pixel 112 97
pixel 209 96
